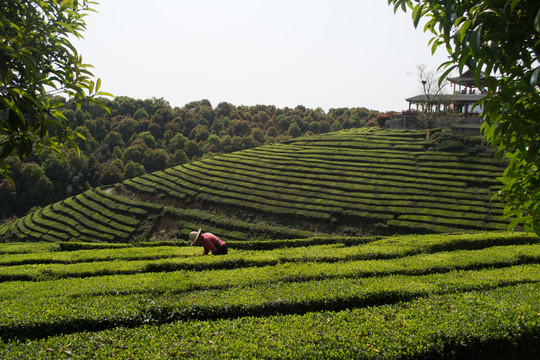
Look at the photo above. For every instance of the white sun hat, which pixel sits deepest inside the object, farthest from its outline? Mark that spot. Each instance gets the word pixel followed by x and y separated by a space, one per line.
pixel 193 236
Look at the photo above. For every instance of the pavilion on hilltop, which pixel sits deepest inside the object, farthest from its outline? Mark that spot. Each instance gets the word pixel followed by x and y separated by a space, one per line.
pixel 456 110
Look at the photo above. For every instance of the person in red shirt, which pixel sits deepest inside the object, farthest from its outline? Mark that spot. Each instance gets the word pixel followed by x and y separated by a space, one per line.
pixel 209 241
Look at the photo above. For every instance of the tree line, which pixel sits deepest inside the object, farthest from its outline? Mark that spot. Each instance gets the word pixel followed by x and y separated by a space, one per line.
pixel 142 136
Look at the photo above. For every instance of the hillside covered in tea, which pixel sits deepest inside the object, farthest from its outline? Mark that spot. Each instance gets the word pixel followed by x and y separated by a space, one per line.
pixel 313 270
pixel 366 181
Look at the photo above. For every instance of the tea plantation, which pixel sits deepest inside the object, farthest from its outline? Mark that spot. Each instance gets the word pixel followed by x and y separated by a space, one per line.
pixel 360 244
pixel 353 182
pixel 410 296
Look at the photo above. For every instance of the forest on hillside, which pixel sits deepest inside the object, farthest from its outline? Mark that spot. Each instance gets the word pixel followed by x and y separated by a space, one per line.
pixel 142 136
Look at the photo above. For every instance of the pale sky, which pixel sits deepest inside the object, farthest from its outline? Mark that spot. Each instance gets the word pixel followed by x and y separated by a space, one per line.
pixel 316 53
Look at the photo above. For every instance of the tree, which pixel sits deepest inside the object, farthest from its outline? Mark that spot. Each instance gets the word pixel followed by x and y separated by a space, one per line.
pixel 236 143
pixel 432 86
pixel 127 127
pixel 126 106
pixel 258 135
pixel 177 158
pixel 189 124
pixel 155 159
pixel 199 133
pixel 133 153
pixel 213 144
pixel 98 128
pixel 205 115
pixel 7 198
pixel 428 119
pixel 192 149
pixel 133 169
pixel 500 39
pixel 324 127
pixel 37 64
pixel 94 170
pixel 224 109
pixel 35 188
pixel 155 130
pixel 248 142
pixel 147 138
pixel 141 114
pixel 178 142
pixel 241 128
pixel 336 126
pixel 355 121
pixel 272 132
pixel 226 144
pixel 112 173
pixel 158 119
pixel 114 139
pixel 282 123
pixel 164 110
pixel 57 169
pixel 294 130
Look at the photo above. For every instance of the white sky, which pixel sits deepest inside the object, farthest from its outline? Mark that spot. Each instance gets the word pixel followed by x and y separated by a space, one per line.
pixel 317 53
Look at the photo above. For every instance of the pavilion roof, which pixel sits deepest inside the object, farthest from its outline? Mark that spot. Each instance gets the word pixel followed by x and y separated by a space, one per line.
pixel 447 98
pixel 467 79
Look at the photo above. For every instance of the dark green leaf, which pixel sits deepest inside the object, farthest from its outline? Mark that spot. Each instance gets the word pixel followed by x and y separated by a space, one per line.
pixel 417 14
pixel 463 29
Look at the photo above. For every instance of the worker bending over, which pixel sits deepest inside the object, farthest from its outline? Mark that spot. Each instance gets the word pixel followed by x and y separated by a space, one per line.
pixel 209 241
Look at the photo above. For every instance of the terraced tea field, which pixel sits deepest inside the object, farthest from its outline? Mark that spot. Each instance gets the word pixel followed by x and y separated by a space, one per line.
pixel 355 182
pixel 411 296
pixel 313 270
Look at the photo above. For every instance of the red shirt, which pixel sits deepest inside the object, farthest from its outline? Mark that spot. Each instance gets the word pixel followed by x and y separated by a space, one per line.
pixel 209 241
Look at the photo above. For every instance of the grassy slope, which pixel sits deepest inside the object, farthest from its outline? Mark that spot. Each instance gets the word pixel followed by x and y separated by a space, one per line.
pixel 350 182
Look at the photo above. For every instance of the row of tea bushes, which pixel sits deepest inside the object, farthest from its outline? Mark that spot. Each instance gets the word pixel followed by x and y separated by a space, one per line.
pixel 51 313
pixel 112 253
pixel 40 247
pixel 493 324
pixel 230 228
pixel 261 272
pixel 366 248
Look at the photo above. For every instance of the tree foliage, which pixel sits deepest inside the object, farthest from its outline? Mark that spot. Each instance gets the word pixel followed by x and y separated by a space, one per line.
pixel 502 40
pixel 37 64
